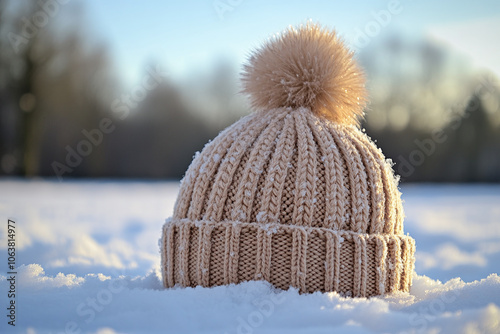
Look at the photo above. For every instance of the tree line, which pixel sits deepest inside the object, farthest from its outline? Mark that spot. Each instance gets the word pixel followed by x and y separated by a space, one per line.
pixel 64 112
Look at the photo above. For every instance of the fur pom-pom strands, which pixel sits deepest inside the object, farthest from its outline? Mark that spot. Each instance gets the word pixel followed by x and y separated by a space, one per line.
pixel 309 67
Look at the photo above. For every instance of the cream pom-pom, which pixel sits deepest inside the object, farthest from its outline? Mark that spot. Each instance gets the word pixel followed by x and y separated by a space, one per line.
pixel 310 67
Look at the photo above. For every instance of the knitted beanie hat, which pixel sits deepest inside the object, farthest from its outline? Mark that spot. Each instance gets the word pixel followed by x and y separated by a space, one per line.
pixel 295 193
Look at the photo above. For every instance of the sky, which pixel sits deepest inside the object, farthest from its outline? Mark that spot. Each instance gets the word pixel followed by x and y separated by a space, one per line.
pixel 188 36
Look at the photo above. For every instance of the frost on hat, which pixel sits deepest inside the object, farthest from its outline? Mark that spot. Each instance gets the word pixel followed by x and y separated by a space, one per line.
pixel 295 193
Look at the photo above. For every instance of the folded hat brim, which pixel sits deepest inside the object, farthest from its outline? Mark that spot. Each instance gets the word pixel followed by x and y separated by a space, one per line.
pixel 308 258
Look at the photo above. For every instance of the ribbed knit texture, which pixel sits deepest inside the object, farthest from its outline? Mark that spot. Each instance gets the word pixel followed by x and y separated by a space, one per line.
pixel 292 198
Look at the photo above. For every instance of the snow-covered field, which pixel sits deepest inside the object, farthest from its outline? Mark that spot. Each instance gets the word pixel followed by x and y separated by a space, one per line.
pixel 87 261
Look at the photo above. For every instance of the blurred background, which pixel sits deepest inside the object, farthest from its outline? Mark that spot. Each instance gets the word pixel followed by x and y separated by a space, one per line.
pixel 132 89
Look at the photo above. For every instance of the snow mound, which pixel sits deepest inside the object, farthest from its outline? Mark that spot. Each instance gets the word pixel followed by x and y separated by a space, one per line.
pixel 88 262
pixel 97 303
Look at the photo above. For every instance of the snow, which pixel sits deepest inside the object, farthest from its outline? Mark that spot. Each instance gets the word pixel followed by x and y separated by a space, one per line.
pixel 88 262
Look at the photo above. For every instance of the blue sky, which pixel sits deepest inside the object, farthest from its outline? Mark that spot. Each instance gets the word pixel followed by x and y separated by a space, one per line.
pixel 186 36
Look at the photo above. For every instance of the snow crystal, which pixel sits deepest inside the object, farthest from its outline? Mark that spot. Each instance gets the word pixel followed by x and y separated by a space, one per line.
pixel 242 215
pixel 271 228
pixel 261 216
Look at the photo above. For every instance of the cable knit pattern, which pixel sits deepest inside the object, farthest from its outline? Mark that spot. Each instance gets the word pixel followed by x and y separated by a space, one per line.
pixel 228 224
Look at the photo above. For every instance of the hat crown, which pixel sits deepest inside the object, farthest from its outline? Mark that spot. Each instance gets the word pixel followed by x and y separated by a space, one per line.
pixel 292 167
